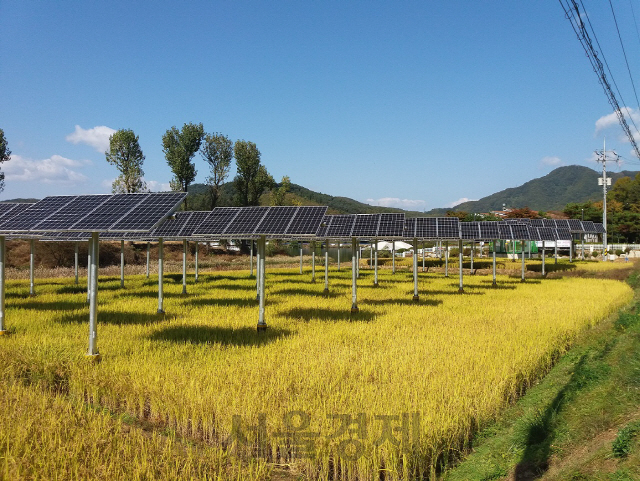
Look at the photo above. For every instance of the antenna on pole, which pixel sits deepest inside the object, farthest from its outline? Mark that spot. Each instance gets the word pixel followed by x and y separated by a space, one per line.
pixel 604 181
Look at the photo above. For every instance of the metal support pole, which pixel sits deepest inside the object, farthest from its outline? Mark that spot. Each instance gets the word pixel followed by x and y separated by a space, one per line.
pixel 571 250
pixel 375 266
pixel 416 297
pixel 262 325
pixel 522 245
pixel 196 280
pixel 393 257
pixel 371 256
pixel 250 258
pixel 32 249
pixel 89 256
pixel 543 249
pixel 184 266
pixel 259 255
pixel 494 261
pixel 3 327
pixel 93 302
pixel 582 240
pixel 446 259
pixel 326 269
pixel 460 288
pixel 338 256
pixel 300 257
pixel 358 261
pixel 354 276
pixel 313 263
pixel 160 275
pixel 423 256
pixel 122 263
pixel 75 263
pixel 473 247
pixel 148 257
pixel 555 254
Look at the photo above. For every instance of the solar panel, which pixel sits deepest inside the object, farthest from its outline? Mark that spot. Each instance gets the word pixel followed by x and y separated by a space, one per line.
pixel 575 225
pixel 341 226
pixel 427 228
pixel 589 227
pixel 448 227
pixel 520 231
pixel 326 222
pixel 537 223
pixel 217 221
pixel 35 213
pixel 147 213
pixel 72 212
pixel 276 221
pixel 549 223
pixel 470 230
pixel 505 231
pixel 391 225
pixel 599 228
pixel 489 230
pixel 547 234
pixel 109 212
pixel 563 233
pixel 563 224
pixel 11 208
pixel 194 221
pixel 172 227
pixel 534 233
pixel 366 225
pixel 306 221
pixel 410 228
pixel 246 221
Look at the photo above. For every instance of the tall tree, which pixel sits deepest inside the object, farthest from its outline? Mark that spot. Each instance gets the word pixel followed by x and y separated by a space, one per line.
pixel 125 153
pixel 252 178
pixel 179 147
pixel 217 150
pixel 279 193
pixel 5 154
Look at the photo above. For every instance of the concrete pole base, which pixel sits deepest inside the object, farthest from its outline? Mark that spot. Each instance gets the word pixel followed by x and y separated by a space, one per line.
pixel 354 309
pixel 416 298
pixel 521 280
pixel 262 327
pixel 325 292
pixel 375 284
pixel 32 294
pixel 460 290
pixel 160 311
pixel 494 284
pixel 93 358
pixel 184 290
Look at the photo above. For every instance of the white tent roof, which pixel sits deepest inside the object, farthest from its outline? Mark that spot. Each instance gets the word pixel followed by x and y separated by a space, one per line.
pixel 387 246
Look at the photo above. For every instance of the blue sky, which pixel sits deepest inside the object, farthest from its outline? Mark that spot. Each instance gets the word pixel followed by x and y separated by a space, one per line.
pixel 414 104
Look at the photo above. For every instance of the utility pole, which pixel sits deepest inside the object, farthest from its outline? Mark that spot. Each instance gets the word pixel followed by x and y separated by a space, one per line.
pixel 604 181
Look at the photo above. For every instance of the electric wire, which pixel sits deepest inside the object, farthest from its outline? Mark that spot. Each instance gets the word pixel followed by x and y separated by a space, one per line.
pixel 572 13
pixel 615 20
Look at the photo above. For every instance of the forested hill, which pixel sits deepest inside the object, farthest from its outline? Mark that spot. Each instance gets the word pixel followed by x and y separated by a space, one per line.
pixel 199 199
pixel 554 191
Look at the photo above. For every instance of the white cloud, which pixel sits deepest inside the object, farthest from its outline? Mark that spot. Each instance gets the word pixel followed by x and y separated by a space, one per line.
pixel 97 137
pixel 459 201
pixel 611 120
pixel 551 161
pixel 155 186
pixel 398 203
pixel 54 170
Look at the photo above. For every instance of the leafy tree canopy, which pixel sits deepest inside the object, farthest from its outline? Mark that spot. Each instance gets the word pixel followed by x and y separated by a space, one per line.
pixel 217 150
pixel 179 147
pixel 125 153
pixel 5 154
pixel 252 178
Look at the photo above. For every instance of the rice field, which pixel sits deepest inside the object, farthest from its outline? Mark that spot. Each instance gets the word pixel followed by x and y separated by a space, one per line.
pixel 392 392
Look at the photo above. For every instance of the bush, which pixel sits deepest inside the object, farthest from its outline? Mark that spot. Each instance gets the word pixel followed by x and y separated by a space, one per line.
pixel 594 254
pixel 622 444
pixel 618 252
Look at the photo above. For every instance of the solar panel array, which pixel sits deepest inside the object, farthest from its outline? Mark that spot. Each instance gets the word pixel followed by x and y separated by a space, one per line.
pixel 117 212
pixel 436 228
pixel 248 222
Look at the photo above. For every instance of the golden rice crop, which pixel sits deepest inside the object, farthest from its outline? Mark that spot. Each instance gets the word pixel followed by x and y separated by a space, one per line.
pixel 398 387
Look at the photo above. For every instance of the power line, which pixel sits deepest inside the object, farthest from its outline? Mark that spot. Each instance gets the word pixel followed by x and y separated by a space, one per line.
pixel 633 13
pixel 625 55
pixel 572 13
